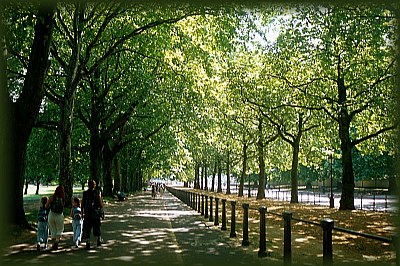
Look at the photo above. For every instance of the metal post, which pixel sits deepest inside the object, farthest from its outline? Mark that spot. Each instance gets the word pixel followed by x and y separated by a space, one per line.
pixel 287 238
pixel 223 227
pixel 198 203
pixel 216 212
pixel 327 226
pixel 245 241
pixel 206 208
pixel 211 210
pixel 263 239
pixel 249 188
pixel 233 219
pixel 373 203
pixel 202 204
pixel 386 203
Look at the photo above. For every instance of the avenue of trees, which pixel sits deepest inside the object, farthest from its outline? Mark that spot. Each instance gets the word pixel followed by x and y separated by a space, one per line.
pixel 122 93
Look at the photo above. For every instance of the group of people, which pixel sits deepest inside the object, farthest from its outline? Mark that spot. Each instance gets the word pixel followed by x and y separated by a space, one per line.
pixel 85 214
pixel 157 189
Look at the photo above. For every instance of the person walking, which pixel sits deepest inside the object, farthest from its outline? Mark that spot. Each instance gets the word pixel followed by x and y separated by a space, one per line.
pixel 92 205
pixel 76 215
pixel 43 224
pixel 56 215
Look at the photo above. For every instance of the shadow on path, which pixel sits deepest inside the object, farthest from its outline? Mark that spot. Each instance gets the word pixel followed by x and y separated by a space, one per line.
pixel 142 230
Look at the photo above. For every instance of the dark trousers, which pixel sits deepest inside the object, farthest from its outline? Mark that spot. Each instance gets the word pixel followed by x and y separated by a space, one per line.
pixel 91 222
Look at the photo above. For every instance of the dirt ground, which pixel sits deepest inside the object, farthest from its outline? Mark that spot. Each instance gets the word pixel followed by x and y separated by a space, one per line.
pixel 306 238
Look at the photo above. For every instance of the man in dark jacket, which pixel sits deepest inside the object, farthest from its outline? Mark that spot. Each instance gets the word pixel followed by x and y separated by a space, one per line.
pixel 92 204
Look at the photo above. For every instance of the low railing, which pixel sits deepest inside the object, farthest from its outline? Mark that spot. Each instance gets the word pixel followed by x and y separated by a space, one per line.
pixel 372 200
pixel 200 202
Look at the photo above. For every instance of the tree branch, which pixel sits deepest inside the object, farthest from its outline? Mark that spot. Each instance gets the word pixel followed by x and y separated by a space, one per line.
pixel 358 141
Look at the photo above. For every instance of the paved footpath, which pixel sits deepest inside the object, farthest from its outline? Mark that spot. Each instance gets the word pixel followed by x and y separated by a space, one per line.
pixel 145 231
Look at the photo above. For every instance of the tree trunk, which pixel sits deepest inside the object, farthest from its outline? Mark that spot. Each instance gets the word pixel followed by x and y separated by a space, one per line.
pixel 107 171
pixel 37 186
pixel 213 177
pixel 196 176
pixel 294 173
pixel 65 176
pixel 95 155
pixel 202 178
pixel 228 175
pixel 117 177
pixel 219 188
pixel 67 108
pixel 124 172
pixel 244 170
pixel 26 186
pixel 136 182
pixel 205 176
pixel 25 111
pixel 261 163
pixel 347 198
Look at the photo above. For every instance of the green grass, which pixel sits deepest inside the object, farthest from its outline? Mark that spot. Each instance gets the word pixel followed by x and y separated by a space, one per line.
pixel 32 201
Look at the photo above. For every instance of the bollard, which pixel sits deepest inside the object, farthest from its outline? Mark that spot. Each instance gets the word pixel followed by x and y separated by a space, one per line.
pixel 373 203
pixel 233 219
pixel 216 222
pixel 245 241
pixel 206 208
pixel 287 238
pixel 223 227
pixel 202 204
pixel 327 226
pixel 386 203
pixel 198 203
pixel 211 210
pixel 263 240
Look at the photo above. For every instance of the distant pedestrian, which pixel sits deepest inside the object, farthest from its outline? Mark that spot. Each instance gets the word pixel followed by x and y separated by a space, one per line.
pixel 153 191
pixel 43 224
pixel 92 204
pixel 56 215
pixel 76 215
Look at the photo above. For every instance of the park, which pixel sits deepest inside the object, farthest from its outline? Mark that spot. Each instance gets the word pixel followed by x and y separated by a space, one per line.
pixel 279 119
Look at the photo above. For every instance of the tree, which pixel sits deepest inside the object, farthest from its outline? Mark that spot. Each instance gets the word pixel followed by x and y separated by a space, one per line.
pixel 342 60
pixel 26 103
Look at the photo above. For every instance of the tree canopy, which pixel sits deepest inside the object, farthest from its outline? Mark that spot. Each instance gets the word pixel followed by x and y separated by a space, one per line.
pixel 134 92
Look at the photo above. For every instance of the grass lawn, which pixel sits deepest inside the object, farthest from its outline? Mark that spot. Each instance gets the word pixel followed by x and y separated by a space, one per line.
pixel 32 201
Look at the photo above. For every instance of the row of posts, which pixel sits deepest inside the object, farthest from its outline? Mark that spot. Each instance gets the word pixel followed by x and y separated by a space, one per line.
pixel 199 202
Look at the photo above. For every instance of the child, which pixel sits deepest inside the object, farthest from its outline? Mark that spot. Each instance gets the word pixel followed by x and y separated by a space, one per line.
pixel 43 224
pixel 76 214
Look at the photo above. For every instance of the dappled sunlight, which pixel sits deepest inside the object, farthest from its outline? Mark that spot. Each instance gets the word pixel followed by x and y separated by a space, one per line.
pixel 142 230
pixel 307 238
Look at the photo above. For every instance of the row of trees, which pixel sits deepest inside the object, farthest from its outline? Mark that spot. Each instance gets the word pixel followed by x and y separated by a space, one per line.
pixel 121 93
